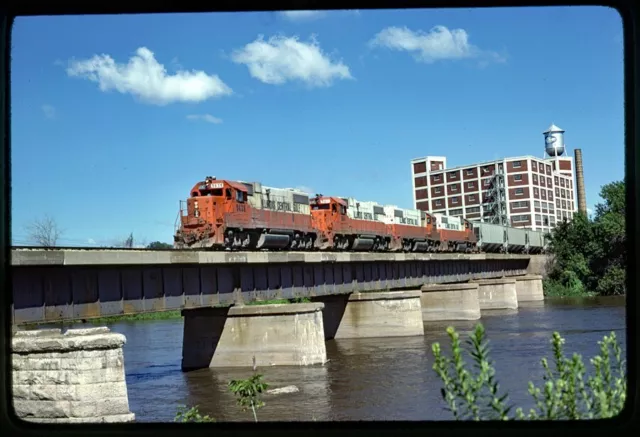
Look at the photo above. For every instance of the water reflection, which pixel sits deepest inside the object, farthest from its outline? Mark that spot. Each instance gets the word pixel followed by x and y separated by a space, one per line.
pixel 208 388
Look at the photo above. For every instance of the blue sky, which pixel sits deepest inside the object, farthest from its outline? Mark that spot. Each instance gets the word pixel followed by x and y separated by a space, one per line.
pixel 107 145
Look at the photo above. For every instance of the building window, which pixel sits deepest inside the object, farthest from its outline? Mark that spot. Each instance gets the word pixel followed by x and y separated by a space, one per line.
pixel 454 187
pixel 552 220
pixel 534 165
pixel 454 200
pixel 485 169
pixel 557 191
pixel 520 218
pixel 538 218
pixel 564 204
pixel 562 182
pixel 438 202
pixel 517 177
pixel 471 198
pixel 517 164
pixel 437 190
pixel 535 192
pixel 542 181
pixel 549 181
pixel 519 191
pixel 487 181
pixel 520 205
pixel 436 178
pixel 543 194
pixel 470 172
pixel 555 179
pixel 551 207
pixel 545 220
pixel 535 178
pixel 550 194
pixel 536 204
pixel 557 203
pixel 470 185
pixel 455 211
pixel 473 210
pixel 453 174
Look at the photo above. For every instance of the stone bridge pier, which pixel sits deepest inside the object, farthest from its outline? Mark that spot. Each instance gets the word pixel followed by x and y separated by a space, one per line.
pixel 294 334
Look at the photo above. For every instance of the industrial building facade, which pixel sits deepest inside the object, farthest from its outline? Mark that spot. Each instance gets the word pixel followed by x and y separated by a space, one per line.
pixel 525 191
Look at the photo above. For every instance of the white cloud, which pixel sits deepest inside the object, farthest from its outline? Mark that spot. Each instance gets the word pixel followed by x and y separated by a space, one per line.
pixel 49 111
pixel 305 189
pixel 91 241
pixel 146 79
pixel 205 117
pixel 282 59
pixel 438 44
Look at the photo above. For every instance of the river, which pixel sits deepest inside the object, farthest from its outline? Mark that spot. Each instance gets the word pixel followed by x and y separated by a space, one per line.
pixel 365 379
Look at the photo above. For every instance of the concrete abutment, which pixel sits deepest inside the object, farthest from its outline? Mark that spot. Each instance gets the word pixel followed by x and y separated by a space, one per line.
pixel 442 302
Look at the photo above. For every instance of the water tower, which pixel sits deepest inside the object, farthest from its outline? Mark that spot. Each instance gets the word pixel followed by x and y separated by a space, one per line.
pixel 554 141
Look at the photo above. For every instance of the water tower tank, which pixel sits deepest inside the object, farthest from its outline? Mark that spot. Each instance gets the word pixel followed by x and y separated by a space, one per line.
pixel 554 140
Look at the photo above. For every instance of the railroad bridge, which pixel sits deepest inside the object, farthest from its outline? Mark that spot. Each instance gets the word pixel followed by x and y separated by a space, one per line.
pixel 52 285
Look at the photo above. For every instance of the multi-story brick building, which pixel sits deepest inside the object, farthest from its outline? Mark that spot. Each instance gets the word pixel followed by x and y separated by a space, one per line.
pixel 524 191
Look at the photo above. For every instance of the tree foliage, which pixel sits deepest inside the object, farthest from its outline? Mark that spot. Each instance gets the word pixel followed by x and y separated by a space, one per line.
pixel 590 253
pixel 472 393
pixel 156 245
pixel 44 231
pixel 249 391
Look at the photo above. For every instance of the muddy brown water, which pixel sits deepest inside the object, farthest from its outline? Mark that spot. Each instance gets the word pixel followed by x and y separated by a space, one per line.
pixel 365 379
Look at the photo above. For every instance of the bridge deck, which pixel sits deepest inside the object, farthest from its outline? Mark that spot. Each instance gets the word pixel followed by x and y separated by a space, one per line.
pixel 80 257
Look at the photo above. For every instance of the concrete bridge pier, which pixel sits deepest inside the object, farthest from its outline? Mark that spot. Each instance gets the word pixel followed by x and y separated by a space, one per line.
pixel 372 314
pixel 529 288
pixel 450 302
pixel 283 334
pixel 497 294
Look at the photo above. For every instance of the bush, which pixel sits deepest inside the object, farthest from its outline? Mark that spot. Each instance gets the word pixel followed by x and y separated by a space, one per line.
pixel 564 395
pixel 192 414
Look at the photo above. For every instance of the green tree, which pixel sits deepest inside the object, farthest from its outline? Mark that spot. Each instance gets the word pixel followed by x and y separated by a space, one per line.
pixel 248 391
pixel 158 245
pixel 590 255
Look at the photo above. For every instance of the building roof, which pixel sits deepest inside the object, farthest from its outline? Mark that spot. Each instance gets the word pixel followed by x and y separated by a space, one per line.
pixel 553 128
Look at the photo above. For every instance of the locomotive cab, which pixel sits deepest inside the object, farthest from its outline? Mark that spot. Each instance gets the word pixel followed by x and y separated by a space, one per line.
pixel 329 217
pixel 203 213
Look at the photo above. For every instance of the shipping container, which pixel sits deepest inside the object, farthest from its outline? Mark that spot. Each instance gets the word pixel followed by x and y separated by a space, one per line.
pixel 448 222
pixel 516 240
pixel 358 210
pixel 491 238
pixel 401 216
pixel 277 199
pixel 535 241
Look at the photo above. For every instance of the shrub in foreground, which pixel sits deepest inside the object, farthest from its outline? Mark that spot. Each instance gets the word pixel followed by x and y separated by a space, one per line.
pixel 565 394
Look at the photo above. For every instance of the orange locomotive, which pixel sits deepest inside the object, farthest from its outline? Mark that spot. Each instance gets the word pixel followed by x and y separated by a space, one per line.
pixel 223 214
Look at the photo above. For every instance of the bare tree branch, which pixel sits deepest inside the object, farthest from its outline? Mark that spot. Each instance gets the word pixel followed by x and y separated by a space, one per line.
pixel 44 232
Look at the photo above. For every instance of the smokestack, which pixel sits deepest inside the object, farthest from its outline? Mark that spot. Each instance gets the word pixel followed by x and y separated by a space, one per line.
pixel 582 197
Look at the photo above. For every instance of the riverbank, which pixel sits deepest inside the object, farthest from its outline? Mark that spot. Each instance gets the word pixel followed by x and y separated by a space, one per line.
pixel 554 289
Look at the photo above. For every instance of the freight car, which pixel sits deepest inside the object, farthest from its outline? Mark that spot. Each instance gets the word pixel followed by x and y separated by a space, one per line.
pixel 224 214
